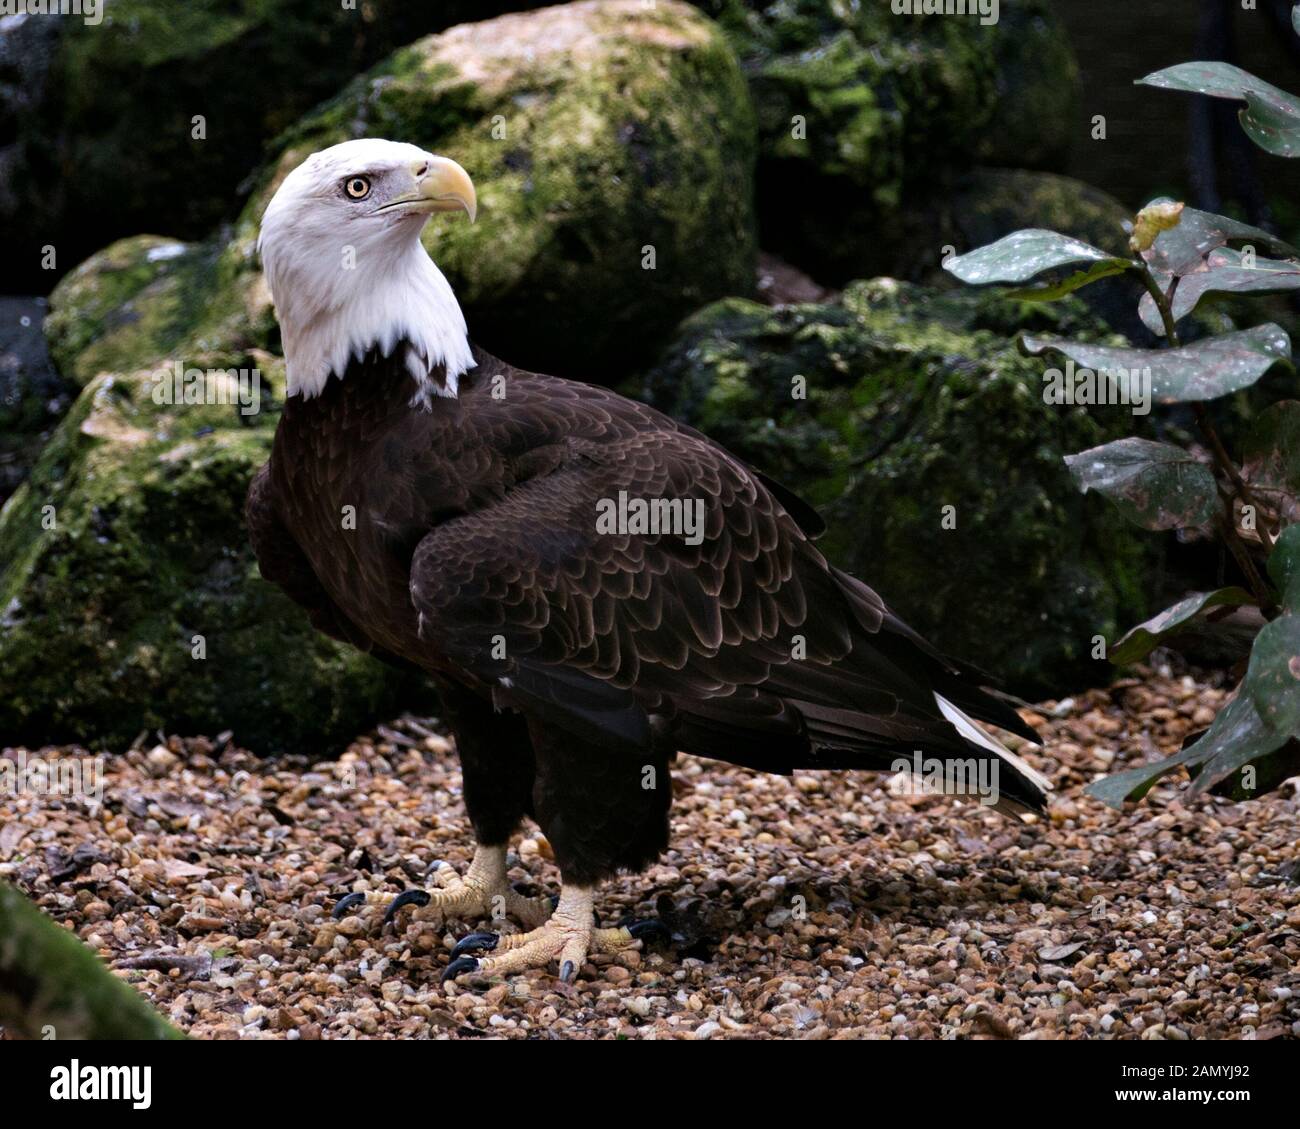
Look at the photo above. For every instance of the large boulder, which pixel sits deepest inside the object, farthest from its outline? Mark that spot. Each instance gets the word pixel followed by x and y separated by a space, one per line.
pixel 130 598
pixel 865 116
pixel 97 131
pixel 895 402
pixel 612 147
pixel 146 299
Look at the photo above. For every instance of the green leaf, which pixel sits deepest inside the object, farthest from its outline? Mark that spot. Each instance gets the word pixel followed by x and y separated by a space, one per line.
pixel 1274 443
pixel 1272 681
pixel 1056 291
pixel 1021 255
pixel 1273 676
pixel 1224 273
pixel 1133 784
pixel 1154 485
pixel 1259 729
pixel 1271 117
pixel 1284 566
pixel 1206 370
pixel 1270 771
pixel 1146 637
pixel 1236 738
pixel 1273 125
pixel 1182 249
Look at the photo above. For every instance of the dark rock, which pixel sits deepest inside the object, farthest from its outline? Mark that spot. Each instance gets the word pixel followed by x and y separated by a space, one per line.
pixel 33 397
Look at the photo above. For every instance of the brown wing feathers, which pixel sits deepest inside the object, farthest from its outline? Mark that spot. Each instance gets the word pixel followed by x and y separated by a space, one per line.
pixel 749 641
pixel 741 644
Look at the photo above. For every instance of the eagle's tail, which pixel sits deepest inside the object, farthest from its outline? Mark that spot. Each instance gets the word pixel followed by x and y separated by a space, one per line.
pixel 1027 789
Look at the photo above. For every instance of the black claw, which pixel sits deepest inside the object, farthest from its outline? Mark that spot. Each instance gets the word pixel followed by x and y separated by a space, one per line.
pixel 567 972
pixel 345 903
pixel 476 943
pixel 555 901
pixel 405 898
pixel 459 967
pixel 650 930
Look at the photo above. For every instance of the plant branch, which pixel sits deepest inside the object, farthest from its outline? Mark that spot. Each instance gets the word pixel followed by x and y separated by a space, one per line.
pixel 1162 300
pixel 1222 460
pixel 1228 467
pixel 1241 554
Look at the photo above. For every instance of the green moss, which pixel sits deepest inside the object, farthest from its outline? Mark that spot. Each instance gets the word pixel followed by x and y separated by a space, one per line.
pixel 124 547
pixel 865 117
pixel 50 981
pixel 916 401
pixel 145 300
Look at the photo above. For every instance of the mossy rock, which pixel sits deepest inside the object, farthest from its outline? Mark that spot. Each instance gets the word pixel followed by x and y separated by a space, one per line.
pixel 598 134
pixel 130 598
pixel 990 203
pixel 895 402
pixel 98 120
pixel 865 116
pixel 147 299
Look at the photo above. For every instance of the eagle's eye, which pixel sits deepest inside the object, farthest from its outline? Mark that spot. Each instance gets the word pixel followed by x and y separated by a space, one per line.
pixel 357 187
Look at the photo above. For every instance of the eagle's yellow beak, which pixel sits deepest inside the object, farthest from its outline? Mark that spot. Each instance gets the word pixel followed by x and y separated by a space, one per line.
pixel 445 187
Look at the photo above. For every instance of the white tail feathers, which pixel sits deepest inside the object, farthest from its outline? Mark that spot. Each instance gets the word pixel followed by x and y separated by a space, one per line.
pixel 973 733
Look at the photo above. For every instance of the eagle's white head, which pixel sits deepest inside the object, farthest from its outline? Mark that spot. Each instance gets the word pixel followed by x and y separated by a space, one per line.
pixel 340 244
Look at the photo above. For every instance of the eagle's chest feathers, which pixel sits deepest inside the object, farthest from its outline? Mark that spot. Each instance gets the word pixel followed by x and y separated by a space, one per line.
pixel 361 477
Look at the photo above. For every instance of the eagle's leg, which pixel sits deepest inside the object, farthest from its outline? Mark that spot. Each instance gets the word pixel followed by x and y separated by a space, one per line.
pixel 496 760
pixel 484 892
pixel 569 937
pixel 601 813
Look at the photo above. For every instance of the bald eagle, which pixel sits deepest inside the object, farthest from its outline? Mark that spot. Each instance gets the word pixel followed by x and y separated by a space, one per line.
pixel 591 586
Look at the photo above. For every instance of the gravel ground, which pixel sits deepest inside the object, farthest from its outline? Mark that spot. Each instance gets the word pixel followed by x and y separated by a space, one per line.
pixel 815 907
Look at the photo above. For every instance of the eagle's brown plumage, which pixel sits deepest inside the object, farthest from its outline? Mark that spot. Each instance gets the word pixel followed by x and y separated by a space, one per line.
pixel 459 534
pixel 463 540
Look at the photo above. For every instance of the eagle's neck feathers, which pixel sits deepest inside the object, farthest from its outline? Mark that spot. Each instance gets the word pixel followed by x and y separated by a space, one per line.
pixel 330 315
